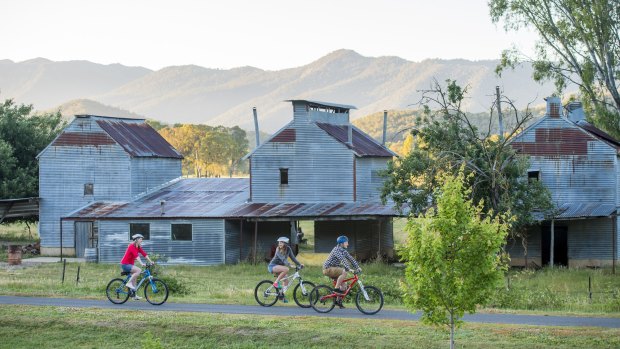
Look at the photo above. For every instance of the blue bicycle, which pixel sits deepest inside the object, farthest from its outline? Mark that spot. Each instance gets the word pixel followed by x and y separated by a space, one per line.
pixel 155 290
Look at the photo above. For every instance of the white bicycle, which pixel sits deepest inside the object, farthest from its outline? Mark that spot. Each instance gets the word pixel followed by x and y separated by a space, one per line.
pixel 267 295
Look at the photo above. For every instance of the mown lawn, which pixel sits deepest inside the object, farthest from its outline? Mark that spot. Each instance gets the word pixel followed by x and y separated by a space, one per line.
pixel 63 327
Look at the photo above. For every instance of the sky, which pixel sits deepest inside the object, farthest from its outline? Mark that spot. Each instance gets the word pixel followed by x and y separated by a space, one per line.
pixel 267 34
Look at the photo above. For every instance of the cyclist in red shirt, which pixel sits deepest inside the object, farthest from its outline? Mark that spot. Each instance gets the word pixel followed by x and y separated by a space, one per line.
pixel 133 252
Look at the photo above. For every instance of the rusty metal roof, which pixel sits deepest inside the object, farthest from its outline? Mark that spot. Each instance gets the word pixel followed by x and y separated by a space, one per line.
pixel 363 145
pixel 222 198
pixel 574 210
pixel 138 139
pixel 599 133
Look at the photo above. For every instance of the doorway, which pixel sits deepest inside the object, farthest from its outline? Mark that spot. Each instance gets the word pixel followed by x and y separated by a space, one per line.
pixel 560 245
pixel 85 237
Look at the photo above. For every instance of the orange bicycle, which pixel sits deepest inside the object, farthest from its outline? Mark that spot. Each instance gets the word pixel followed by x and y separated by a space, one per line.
pixel 369 299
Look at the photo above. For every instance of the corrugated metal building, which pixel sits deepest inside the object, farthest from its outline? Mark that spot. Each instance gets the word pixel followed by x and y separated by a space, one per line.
pixel 318 167
pixel 579 165
pixel 97 158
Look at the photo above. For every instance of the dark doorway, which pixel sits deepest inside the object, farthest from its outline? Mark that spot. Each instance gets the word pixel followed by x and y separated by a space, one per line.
pixel 560 250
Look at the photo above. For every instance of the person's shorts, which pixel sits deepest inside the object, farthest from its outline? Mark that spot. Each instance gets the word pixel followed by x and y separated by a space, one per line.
pixel 333 272
pixel 270 268
pixel 126 267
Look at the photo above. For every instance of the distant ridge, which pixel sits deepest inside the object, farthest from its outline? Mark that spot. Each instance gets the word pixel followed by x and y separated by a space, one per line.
pixel 194 94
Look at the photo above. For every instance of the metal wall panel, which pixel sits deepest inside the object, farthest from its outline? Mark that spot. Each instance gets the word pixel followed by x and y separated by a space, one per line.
pixel 319 168
pixel 63 171
pixel 369 183
pixel 590 239
pixel 206 247
pixel 148 173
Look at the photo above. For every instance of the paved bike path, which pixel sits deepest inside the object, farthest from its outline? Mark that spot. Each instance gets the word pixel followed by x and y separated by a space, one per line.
pixel 279 310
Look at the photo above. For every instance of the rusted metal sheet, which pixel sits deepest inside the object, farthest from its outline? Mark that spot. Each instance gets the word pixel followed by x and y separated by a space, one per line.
pixel 77 139
pixel 138 139
pixel 285 136
pixel 362 144
pixel 13 209
pixel 221 198
pixel 560 141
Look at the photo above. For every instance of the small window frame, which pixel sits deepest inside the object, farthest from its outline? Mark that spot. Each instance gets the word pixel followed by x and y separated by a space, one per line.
pixel 89 189
pixel 177 236
pixel 284 176
pixel 140 228
pixel 533 175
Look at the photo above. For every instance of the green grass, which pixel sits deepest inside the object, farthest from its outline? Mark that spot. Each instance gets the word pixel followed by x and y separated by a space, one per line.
pixel 558 291
pixel 54 327
pixel 19 233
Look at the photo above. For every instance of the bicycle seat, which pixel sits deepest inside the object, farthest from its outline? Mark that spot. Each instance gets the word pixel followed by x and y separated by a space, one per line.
pixel 125 272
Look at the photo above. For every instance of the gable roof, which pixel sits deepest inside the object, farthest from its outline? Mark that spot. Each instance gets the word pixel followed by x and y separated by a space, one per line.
pixel 135 136
pixel 362 144
pixel 321 104
pixel 138 139
pixel 599 133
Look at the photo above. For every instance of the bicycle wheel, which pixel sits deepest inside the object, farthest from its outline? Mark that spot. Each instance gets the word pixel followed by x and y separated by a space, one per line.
pixel 373 304
pixel 320 300
pixel 301 294
pixel 116 291
pixel 155 291
pixel 265 294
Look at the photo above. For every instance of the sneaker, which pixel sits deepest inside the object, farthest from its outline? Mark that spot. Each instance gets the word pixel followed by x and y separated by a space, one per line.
pixel 275 284
pixel 136 297
pixel 339 304
pixel 284 300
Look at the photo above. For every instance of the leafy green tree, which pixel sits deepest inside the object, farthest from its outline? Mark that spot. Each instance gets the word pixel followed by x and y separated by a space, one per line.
pixel 22 137
pixel 453 255
pixel 446 139
pixel 579 43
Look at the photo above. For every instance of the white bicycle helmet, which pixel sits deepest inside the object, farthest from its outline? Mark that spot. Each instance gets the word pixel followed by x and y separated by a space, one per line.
pixel 284 239
pixel 137 236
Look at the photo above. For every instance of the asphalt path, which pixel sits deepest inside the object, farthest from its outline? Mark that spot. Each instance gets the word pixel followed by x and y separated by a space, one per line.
pixel 278 310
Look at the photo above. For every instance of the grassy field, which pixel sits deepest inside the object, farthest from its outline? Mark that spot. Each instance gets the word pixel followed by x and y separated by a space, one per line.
pixel 54 327
pixel 558 291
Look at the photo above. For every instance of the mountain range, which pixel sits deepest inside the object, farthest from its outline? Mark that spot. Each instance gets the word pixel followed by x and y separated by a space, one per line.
pixel 194 94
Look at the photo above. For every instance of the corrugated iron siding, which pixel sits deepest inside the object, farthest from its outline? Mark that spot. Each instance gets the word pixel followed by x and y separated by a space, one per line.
pixel 206 247
pixel 570 174
pixel 64 170
pixel 148 173
pixel 515 246
pixel 590 239
pixel 319 168
pixel 369 183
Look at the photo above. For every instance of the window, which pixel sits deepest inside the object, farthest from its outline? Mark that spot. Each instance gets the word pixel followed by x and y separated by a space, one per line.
pixel 140 228
pixel 284 176
pixel 88 189
pixel 181 232
pixel 533 176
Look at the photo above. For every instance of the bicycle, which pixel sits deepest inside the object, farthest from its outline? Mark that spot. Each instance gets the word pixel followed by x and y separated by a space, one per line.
pixel 267 295
pixel 369 299
pixel 155 290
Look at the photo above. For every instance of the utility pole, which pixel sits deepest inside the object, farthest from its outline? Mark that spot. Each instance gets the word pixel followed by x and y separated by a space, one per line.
pixel 499 114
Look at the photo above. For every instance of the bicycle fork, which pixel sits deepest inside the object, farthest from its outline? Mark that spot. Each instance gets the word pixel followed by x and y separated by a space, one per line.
pixel 359 282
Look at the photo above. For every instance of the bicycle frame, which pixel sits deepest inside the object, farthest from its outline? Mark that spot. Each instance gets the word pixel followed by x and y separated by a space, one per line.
pixel 353 281
pixel 146 275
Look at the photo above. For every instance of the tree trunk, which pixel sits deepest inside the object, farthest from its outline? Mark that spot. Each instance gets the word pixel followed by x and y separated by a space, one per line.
pixel 451 331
